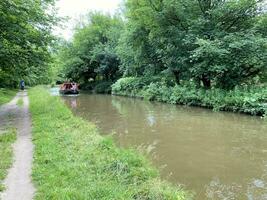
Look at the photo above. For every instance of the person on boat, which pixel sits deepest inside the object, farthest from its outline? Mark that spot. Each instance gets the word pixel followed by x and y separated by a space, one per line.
pixel 22 85
pixel 74 86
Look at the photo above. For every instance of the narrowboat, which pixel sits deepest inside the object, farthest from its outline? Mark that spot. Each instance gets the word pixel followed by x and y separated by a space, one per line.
pixel 69 88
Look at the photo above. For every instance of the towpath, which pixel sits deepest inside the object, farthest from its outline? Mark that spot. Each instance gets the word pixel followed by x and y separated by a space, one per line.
pixel 18 183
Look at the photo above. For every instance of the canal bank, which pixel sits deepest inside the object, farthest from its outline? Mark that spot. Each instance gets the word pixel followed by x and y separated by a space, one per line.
pixel 72 160
pixel 250 100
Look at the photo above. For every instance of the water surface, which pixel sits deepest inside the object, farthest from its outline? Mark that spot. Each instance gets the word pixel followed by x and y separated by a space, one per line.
pixel 217 155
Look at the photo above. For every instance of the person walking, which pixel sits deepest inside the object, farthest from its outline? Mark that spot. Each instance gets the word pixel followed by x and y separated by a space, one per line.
pixel 22 84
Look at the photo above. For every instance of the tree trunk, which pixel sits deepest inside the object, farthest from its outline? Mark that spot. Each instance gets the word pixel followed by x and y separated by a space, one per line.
pixel 177 76
pixel 206 81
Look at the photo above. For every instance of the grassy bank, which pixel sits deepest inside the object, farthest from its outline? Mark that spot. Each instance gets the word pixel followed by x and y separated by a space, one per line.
pixel 249 100
pixel 72 161
pixel 6 95
pixel 6 153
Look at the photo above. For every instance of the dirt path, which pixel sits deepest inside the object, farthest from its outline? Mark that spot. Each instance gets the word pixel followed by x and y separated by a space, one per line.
pixel 18 182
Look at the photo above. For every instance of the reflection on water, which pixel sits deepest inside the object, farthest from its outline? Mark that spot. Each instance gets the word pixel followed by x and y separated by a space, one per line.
pixel 54 91
pixel 217 155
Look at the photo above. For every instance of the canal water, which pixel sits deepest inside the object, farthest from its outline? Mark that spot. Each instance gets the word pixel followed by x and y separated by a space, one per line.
pixel 217 155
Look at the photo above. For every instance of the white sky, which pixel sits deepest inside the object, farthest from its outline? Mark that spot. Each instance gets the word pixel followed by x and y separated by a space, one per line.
pixel 75 8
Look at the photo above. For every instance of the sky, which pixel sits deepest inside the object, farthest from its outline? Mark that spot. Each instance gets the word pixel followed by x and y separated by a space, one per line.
pixel 74 8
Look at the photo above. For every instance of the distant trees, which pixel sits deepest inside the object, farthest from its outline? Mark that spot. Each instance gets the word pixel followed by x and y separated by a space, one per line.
pixel 25 36
pixel 213 43
pixel 91 55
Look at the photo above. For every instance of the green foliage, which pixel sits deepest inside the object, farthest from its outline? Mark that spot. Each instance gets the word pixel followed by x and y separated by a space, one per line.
pixel 24 39
pixel 91 55
pixel 250 100
pixel 103 87
pixel 230 61
pixel 6 95
pixel 6 153
pixel 131 86
pixel 215 43
pixel 89 166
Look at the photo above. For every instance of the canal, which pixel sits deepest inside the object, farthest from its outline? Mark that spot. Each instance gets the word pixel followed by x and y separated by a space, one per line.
pixel 217 155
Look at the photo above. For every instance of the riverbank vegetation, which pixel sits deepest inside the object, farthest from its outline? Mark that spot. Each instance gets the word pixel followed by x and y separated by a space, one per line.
pixel 6 95
pixel 7 138
pixel 72 161
pixel 208 53
pixel 249 100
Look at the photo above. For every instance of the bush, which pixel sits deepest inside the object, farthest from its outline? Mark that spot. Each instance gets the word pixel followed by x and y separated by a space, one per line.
pixel 103 88
pixel 249 100
pixel 132 86
pixel 100 87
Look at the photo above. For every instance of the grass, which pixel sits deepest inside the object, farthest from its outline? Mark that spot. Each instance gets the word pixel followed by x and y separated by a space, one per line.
pixel 20 102
pixel 6 153
pixel 72 161
pixel 6 95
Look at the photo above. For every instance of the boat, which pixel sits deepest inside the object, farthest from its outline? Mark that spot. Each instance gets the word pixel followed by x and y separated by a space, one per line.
pixel 69 88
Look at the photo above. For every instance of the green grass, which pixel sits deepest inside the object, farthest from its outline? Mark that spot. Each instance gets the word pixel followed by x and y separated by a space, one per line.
pixel 72 161
pixel 6 95
pixel 20 102
pixel 6 153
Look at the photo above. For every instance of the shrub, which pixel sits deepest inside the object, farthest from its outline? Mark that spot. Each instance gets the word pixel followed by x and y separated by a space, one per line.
pixel 249 100
pixel 103 88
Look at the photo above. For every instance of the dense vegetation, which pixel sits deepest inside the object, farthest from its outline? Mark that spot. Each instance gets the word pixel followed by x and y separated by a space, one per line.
pixel 25 38
pixel 89 166
pixel 249 100
pixel 91 58
pixel 213 43
pixel 169 44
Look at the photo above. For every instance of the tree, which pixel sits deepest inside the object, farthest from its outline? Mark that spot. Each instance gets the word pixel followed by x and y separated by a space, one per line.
pixel 25 38
pixel 91 55
pixel 193 40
